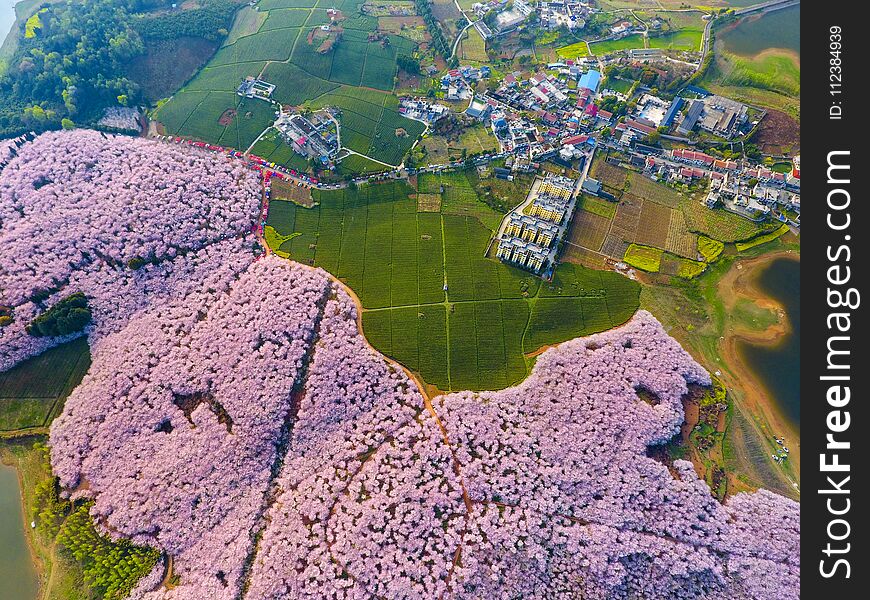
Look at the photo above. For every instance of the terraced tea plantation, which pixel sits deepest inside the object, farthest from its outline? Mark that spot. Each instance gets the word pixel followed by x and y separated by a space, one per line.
pixel 431 300
pixel 314 58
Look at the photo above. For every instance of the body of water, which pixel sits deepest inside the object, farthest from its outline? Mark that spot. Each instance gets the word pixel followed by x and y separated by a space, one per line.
pixel 757 33
pixel 18 577
pixel 778 367
pixel 7 17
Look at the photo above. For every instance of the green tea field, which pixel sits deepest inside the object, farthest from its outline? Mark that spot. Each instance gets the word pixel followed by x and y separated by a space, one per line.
pixel 313 59
pixel 431 300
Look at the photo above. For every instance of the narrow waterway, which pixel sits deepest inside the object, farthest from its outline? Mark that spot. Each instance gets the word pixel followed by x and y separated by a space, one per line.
pixel 18 578
pixel 778 366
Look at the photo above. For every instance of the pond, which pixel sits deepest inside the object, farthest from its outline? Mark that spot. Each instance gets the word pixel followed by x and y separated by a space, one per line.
pixel 757 33
pixel 18 577
pixel 777 367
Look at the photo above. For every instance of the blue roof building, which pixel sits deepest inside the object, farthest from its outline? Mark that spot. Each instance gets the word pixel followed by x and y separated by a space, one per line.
pixel 590 80
pixel 674 108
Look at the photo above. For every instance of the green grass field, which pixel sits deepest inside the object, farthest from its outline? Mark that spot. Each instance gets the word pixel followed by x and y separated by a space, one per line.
pixel 476 335
pixel 630 42
pixel 682 39
pixel 616 84
pixel 356 76
pixel 32 393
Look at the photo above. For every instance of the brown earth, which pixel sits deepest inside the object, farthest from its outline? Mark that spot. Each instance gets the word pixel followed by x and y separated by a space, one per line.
pixel 226 119
pixel 778 134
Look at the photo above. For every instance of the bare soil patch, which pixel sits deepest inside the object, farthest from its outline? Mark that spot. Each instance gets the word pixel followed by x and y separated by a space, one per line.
pixel 589 230
pixel 226 119
pixel 778 134
pixel 286 190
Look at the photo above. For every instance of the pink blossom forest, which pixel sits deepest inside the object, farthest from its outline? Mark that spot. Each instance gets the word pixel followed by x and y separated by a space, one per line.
pixel 235 418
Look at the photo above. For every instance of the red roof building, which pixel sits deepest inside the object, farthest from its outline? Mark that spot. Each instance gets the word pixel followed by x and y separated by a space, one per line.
pixel 640 127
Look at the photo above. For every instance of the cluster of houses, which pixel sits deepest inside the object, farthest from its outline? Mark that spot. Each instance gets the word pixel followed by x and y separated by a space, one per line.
pixel 422 110
pixel 570 14
pixel 457 84
pixel 252 87
pixel 737 193
pixel 530 234
pixel 548 98
pixel 313 137
pixel 510 19
pixel 750 190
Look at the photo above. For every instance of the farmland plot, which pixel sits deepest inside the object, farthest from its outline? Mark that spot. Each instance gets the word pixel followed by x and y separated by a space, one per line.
pixel 477 332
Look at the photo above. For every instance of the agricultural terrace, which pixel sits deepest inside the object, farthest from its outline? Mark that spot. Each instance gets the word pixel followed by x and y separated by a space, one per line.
pixel 480 331
pixel 651 215
pixel 352 66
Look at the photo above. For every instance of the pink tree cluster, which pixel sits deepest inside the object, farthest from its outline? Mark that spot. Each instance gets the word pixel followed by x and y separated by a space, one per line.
pixel 369 505
pixel 77 207
pixel 566 498
pixel 176 428
pixel 562 499
pixel 235 417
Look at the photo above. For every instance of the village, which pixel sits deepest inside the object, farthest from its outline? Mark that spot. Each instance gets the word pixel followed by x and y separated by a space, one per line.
pixel 563 114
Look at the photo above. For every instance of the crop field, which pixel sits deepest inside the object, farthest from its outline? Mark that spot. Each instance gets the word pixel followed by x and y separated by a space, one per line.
pixel 32 392
pixel 718 223
pixel 473 47
pixel 356 164
pixel 459 197
pixel 614 246
pixel 274 44
pixel 576 50
pixel 650 190
pixel 588 230
pixel 611 177
pixel 709 248
pixel 763 238
pixel 598 206
pixel 630 42
pixel 653 226
pixel 680 240
pixel 627 218
pixel 645 258
pixel 477 333
pixel 683 39
pixel 198 115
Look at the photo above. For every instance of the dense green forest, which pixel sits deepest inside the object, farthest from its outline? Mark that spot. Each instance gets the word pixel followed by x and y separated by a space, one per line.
pixel 111 568
pixel 69 315
pixel 74 64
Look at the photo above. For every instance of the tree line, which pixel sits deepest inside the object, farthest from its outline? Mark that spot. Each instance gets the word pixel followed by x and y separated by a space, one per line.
pixel 76 63
pixel 424 9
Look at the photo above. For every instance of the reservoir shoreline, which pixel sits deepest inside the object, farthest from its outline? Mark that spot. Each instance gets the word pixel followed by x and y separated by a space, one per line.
pixel 756 397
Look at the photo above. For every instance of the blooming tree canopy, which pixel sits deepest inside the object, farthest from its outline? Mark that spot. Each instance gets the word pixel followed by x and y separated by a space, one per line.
pixel 125 221
pixel 235 418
